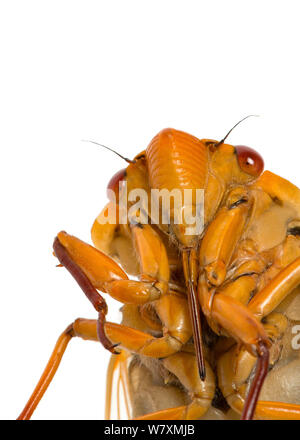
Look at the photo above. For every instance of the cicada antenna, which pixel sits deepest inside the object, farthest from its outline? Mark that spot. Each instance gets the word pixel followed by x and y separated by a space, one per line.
pixel 110 149
pixel 224 139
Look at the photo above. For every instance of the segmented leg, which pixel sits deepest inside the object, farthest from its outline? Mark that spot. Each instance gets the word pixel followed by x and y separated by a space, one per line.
pixel 241 324
pixel 117 363
pixel 269 410
pixel 93 270
pixel 277 411
pixel 265 301
pixel 63 254
pixel 234 368
pixel 104 274
pixel 173 312
pixel 84 328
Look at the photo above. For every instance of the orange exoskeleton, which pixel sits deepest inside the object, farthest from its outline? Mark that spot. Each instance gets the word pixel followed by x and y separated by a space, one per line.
pixel 225 283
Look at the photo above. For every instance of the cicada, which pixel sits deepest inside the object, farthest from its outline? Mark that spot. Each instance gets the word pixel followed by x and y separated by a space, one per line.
pixel 209 314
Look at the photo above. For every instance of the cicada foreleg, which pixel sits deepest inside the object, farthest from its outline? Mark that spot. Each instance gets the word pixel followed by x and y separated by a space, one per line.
pixel 172 310
pixel 225 309
pixel 104 274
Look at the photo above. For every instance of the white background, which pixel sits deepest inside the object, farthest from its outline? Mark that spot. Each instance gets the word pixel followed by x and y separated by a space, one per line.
pixel 116 72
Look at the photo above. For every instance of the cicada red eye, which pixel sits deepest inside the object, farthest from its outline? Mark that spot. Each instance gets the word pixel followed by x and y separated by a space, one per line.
pixel 113 184
pixel 249 160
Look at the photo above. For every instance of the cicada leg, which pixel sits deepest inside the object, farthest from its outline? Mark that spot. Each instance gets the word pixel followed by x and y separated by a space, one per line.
pixel 240 323
pixel 83 328
pixel 152 256
pixel 234 368
pixel 221 308
pixel 100 272
pixel 135 244
pixel 184 367
pixel 93 270
pixel 246 327
pixel 265 301
pixel 87 330
pixel 117 363
pixel 172 309
pixel 271 410
pixel 277 411
pixel 107 276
